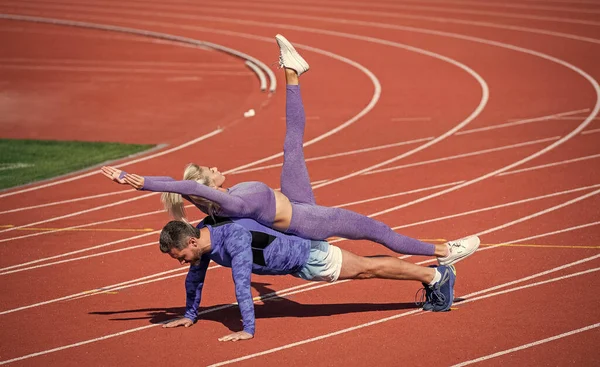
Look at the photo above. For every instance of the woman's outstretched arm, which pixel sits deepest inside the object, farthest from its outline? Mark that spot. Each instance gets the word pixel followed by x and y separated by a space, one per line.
pixel 230 205
pixel 118 175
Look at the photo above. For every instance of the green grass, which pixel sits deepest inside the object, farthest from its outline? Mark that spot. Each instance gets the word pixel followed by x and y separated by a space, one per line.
pixel 25 161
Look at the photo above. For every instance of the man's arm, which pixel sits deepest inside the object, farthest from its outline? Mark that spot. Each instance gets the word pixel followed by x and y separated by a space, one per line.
pixel 238 244
pixel 194 282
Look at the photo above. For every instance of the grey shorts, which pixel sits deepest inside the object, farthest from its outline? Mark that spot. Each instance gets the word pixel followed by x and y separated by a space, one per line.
pixel 324 263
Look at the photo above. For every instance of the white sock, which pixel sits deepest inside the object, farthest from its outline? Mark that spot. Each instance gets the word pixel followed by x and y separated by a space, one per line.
pixel 436 277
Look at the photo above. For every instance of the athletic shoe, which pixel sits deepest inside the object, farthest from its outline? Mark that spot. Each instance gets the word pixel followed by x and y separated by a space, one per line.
pixel 423 296
pixel 459 249
pixel 290 58
pixel 441 294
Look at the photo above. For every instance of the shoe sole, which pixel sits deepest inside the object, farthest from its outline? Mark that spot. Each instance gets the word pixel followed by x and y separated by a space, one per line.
pixel 295 55
pixel 457 259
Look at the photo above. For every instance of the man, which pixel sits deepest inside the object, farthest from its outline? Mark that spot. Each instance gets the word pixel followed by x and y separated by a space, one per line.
pixel 249 247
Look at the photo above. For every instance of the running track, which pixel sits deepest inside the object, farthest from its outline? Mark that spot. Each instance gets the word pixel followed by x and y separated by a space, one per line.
pixel 441 118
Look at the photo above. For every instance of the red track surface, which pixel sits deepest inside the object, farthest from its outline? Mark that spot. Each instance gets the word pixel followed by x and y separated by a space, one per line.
pixel 72 83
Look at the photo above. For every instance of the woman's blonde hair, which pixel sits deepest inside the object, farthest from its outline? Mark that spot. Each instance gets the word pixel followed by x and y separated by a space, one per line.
pixel 174 202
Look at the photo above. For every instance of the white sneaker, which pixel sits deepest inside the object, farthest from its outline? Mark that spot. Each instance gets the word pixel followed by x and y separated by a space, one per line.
pixel 290 58
pixel 459 249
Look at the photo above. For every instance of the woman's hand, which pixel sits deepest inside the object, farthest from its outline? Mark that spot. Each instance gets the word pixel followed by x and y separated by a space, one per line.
pixel 135 181
pixel 113 174
pixel 184 321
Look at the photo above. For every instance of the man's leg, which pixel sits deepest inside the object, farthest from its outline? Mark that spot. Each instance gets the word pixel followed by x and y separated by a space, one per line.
pixel 439 281
pixel 384 267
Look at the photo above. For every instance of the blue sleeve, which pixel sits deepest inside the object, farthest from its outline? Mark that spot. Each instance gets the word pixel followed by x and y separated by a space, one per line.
pixel 231 205
pixel 194 281
pixel 237 243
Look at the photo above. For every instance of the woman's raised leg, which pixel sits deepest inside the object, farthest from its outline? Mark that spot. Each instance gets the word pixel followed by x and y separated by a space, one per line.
pixel 295 182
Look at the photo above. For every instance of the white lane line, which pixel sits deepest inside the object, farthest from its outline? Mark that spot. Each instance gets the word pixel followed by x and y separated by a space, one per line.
pixel 470 154
pixel 261 75
pixel 95 170
pixel 561 62
pixel 388 14
pixel 537 275
pixel 129 247
pixel 590 131
pixel 67 201
pixel 55 230
pixel 569 2
pixel 72 215
pixel 89 341
pixel 88 69
pixel 79 251
pixel 386 319
pixel 525 346
pixel 534 215
pixel 578 118
pixel 329 156
pixel 466 11
pixel 161 64
pixel 480 210
pixel 235 8
pixel 557 232
pixel 71 296
pixel 515 6
pixel 363 112
pixel 485 91
pixel 161 37
pixel 494 173
pixel 523 121
pixel 551 164
pixel 398 194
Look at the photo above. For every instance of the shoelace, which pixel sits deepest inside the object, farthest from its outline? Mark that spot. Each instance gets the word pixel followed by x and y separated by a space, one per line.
pixel 457 244
pixel 421 296
pixel 438 298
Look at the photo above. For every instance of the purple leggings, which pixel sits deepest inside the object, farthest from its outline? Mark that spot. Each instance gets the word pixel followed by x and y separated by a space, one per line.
pixel 316 222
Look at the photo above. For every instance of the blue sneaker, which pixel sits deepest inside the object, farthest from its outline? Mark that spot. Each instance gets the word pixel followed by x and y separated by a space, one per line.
pixel 441 294
pixel 425 299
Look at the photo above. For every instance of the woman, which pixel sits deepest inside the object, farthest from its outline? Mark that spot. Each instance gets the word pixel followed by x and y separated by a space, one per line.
pixel 293 210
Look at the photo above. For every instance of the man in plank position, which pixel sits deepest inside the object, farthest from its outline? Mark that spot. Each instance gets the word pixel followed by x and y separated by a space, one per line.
pixel 248 247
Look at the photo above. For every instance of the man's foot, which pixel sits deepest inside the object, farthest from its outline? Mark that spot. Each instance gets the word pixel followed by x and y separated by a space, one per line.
pixel 459 249
pixel 425 299
pixel 289 58
pixel 441 294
